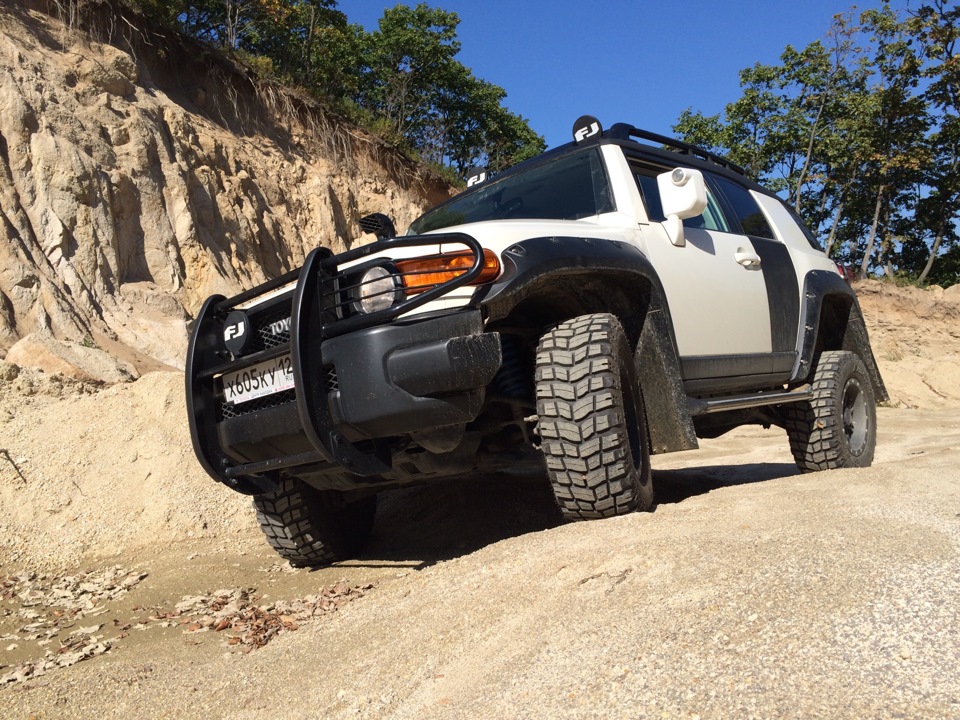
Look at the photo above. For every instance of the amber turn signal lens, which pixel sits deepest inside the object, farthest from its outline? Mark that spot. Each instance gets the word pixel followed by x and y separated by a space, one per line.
pixel 421 274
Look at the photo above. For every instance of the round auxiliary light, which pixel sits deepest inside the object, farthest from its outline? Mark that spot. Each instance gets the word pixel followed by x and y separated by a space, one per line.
pixel 378 290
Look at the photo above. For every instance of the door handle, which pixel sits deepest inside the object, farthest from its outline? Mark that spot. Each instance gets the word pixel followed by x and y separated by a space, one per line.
pixel 746 258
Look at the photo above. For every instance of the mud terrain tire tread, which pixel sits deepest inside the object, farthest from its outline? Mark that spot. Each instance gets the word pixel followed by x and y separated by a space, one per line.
pixel 310 527
pixel 587 396
pixel 835 429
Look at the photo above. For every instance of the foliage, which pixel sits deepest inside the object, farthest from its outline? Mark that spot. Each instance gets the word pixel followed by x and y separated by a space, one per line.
pixel 860 133
pixel 404 77
pixel 410 76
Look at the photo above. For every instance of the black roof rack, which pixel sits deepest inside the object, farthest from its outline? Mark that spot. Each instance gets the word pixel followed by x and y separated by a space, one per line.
pixel 623 131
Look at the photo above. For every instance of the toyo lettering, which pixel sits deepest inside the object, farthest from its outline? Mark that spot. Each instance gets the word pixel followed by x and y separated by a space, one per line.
pixel 279 327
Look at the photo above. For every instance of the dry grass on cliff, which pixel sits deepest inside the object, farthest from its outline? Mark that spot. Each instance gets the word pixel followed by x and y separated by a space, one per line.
pixel 244 101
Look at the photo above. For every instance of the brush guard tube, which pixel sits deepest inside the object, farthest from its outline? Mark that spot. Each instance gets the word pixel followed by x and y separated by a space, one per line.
pixel 306 352
pixel 312 322
pixel 204 352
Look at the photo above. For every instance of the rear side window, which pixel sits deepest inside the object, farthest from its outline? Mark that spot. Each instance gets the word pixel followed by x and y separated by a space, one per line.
pixel 814 243
pixel 745 209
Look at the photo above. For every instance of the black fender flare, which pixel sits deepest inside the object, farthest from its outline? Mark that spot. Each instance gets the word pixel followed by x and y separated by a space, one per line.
pixel 584 267
pixel 849 334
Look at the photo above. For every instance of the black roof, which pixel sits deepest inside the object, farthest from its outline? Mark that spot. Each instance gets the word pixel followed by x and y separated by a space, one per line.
pixel 622 131
pixel 628 137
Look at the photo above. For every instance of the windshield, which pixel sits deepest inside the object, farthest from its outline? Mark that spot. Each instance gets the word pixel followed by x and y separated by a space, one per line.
pixel 568 188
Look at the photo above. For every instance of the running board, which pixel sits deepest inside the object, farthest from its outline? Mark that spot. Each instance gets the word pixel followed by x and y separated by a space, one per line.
pixel 744 402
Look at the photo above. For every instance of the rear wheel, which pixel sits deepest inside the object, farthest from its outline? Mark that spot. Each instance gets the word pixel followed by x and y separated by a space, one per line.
pixel 592 422
pixel 311 527
pixel 838 427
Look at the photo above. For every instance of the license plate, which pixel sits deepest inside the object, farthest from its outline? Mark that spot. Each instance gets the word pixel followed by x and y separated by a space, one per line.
pixel 256 381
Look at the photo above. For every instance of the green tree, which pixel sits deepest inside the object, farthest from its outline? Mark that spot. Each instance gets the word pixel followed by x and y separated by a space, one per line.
pixel 433 103
pixel 897 136
pixel 938 28
pixel 793 122
pixel 226 23
pixel 510 140
pixel 312 44
pixel 860 133
pixel 408 58
pixel 404 77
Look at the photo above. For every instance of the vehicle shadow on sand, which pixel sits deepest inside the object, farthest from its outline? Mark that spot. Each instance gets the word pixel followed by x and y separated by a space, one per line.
pixel 421 526
pixel 432 523
pixel 674 486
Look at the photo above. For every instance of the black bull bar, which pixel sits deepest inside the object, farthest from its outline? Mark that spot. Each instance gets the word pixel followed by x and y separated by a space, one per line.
pixel 313 319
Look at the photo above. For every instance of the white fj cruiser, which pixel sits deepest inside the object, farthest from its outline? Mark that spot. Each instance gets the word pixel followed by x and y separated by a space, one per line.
pixel 606 300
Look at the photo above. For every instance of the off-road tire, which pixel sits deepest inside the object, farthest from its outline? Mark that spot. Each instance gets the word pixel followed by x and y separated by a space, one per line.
pixel 310 527
pixel 838 427
pixel 592 422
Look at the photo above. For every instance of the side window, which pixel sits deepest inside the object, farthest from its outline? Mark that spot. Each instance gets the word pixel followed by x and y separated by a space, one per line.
pixel 711 219
pixel 651 195
pixel 811 238
pixel 752 220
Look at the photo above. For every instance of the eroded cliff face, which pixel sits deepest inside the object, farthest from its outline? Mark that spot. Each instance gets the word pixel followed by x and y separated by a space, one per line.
pixel 139 174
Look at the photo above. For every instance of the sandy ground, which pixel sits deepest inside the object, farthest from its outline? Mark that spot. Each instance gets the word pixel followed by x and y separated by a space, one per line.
pixel 133 586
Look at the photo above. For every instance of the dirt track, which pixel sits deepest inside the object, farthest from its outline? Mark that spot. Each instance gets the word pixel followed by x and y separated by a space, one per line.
pixel 131 585
pixel 750 592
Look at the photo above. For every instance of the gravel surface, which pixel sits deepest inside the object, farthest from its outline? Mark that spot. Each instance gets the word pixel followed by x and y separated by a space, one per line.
pixel 131 585
pixel 751 591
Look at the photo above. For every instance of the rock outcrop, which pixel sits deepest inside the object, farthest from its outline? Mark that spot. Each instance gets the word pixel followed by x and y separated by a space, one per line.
pixel 140 172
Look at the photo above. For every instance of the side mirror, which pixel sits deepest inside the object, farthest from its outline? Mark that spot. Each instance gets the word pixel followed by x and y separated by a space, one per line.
pixel 378 224
pixel 683 194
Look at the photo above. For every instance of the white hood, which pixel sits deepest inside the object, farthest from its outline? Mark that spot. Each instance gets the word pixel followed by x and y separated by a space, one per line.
pixel 498 235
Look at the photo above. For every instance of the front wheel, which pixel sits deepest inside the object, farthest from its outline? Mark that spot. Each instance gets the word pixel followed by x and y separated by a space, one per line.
pixel 311 527
pixel 838 427
pixel 592 422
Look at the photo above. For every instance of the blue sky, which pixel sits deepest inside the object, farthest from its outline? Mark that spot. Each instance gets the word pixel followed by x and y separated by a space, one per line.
pixel 622 61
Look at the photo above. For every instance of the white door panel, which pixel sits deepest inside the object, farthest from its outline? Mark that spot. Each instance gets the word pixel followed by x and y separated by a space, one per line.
pixel 715 290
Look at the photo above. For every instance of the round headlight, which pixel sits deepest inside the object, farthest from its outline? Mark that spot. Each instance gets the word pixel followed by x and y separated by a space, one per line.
pixel 378 290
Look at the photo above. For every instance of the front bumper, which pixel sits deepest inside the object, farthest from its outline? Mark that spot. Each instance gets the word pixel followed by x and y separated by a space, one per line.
pixel 358 382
